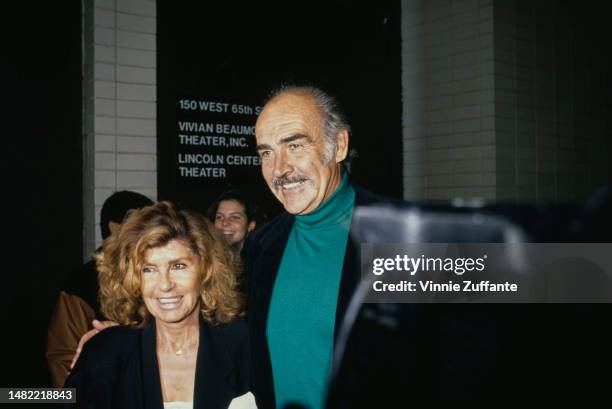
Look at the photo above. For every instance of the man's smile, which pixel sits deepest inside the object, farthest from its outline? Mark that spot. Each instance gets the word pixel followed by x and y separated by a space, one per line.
pixel 292 185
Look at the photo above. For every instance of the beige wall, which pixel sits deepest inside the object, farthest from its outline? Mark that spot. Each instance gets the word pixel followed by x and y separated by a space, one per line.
pixel 120 147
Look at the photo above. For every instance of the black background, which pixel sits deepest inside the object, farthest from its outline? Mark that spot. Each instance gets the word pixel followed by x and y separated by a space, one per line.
pixel 41 176
pixel 239 51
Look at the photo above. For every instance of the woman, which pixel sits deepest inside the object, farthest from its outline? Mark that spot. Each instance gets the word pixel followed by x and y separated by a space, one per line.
pixel 168 278
pixel 234 216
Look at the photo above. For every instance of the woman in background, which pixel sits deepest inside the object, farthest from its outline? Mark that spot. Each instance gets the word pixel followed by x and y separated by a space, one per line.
pixel 235 216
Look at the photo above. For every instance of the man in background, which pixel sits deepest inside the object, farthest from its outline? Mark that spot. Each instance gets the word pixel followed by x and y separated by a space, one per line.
pixel 77 305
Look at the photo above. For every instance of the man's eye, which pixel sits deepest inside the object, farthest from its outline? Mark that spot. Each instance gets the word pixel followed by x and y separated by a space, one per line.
pixel 294 146
pixel 264 154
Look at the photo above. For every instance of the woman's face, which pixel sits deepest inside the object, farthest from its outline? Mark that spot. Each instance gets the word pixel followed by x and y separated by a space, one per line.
pixel 170 282
pixel 231 220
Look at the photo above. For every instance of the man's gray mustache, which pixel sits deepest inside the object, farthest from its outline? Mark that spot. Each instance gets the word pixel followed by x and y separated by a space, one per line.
pixel 284 179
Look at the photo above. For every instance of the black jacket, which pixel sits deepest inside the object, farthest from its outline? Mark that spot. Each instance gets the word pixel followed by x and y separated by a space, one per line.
pixel 118 368
pixel 262 255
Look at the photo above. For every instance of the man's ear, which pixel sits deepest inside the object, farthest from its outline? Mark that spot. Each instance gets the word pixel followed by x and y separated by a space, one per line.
pixel 251 226
pixel 342 142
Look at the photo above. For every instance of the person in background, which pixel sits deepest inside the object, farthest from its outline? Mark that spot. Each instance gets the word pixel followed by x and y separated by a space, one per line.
pixel 77 305
pixel 235 217
pixel 169 281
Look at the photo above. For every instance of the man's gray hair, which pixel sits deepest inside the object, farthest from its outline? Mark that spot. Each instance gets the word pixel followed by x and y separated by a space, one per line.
pixel 334 119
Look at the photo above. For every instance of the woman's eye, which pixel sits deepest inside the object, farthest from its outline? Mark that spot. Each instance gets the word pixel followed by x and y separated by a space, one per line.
pixel 147 270
pixel 179 266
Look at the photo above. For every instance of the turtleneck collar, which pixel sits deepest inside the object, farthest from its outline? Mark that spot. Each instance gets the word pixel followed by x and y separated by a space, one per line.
pixel 335 209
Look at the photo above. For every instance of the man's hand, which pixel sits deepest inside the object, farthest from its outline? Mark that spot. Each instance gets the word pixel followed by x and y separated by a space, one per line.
pixel 97 327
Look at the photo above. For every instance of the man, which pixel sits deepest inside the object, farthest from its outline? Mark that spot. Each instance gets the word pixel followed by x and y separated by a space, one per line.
pixel 77 304
pixel 302 267
pixel 234 216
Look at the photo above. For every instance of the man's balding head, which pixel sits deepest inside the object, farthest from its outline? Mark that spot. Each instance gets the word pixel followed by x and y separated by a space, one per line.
pixel 332 117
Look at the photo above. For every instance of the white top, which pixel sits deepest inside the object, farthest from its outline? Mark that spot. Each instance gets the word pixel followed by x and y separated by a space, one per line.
pixel 178 405
pixel 246 401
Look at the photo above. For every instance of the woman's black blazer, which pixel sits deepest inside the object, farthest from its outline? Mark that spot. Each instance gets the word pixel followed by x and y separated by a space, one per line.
pixel 118 368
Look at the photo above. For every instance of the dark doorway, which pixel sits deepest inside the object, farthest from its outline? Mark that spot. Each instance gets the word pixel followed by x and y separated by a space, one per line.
pixel 42 183
pixel 235 53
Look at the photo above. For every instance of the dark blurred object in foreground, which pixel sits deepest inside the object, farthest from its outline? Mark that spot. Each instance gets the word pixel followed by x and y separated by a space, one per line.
pixel 399 355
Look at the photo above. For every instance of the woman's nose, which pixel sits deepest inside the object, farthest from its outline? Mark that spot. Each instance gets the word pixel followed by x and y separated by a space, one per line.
pixel 167 283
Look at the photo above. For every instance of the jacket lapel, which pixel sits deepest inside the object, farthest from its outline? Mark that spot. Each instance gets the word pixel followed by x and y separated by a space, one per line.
pixel 215 384
pixel 265 259
pixel 351 267
pixel 267 264
pixel 152 393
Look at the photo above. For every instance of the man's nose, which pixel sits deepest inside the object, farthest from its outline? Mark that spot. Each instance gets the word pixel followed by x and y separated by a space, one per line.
pixel 281 165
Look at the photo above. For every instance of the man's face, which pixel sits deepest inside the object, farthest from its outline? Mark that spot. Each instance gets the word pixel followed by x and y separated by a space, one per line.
pixel 291 143
pixel 231 220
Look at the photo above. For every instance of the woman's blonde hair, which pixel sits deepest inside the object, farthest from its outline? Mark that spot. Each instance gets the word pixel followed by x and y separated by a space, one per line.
pixel 122 256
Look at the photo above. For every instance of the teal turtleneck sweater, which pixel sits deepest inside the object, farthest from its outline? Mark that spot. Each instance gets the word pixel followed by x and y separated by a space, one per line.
pixel 302 313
